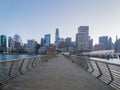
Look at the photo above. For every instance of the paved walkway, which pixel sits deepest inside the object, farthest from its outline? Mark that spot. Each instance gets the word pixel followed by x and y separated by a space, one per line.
pixel 57 74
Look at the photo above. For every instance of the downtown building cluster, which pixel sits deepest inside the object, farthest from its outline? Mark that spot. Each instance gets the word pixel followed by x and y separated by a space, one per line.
pixel 14 44
pixel 83 43
pixel 59 45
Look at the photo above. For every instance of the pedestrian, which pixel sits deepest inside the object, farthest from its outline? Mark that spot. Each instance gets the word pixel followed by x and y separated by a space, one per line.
pixel 108 57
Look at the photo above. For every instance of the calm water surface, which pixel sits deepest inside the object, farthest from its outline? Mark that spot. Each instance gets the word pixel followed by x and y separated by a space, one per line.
pixel 14 56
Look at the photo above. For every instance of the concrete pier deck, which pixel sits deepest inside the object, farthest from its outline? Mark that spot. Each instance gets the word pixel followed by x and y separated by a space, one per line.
pixel 58 73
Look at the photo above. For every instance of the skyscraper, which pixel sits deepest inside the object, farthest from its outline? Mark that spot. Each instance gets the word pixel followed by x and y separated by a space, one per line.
pixel 84 29
pixel 82 38
pixel 17 38
pixel 68 41
pixel 3 43
pixel 90 44
pixel 61 43
pixel 10 43
pixel 47 39
pixel 43 41
pixel 17 43
pixel 117 45
pixel 104 41
pixel 57 35
pixel 30 47
pixel 110 44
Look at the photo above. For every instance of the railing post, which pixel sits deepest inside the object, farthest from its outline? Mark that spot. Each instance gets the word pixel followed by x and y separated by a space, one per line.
pixel 91 67
pixel 33 63
pixel 86 64
pixel 98 70
pixel 28 65
pixel 37 61
pixel 11 67
pixel 42 59
pixel 20 68
pixel 40 62
pixel 81 62
pixel 110 74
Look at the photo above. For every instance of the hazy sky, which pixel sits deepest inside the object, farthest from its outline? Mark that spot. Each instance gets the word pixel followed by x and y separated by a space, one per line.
pixel 32 19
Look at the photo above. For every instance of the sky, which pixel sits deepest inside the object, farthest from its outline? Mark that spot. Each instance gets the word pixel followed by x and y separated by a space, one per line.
pixel 32 19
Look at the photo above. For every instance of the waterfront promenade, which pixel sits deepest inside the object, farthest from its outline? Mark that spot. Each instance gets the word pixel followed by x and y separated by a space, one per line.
pixel 58 73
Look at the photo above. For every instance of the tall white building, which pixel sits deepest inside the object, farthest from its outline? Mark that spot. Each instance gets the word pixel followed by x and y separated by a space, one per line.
pixel 82 38
pixel 57 35
pixel 57 38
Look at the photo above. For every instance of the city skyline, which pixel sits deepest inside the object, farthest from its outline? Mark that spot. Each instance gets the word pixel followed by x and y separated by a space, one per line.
pixel 33 19
pixel 53 42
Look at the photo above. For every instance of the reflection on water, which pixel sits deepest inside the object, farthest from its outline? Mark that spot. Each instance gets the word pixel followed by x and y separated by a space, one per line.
pixel 13 56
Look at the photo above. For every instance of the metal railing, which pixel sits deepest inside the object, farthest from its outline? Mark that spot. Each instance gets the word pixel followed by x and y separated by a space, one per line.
pixel 12 68
pixel 106 71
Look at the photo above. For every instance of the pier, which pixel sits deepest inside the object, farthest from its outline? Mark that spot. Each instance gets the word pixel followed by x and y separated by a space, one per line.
pixel 53 73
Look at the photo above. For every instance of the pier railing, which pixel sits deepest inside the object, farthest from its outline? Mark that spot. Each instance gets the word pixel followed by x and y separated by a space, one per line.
pixel 12 68
pixel 104 70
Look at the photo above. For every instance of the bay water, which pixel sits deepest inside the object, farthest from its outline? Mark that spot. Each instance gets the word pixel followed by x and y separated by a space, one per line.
pixel 14 56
